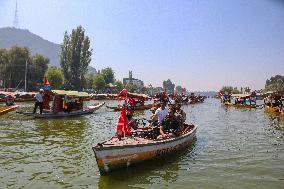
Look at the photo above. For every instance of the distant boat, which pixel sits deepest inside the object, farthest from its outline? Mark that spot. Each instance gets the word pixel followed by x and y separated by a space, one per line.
pixel 239 100
pixel 134 100
pixel 115 153
pixel 143 107
pixel 63 108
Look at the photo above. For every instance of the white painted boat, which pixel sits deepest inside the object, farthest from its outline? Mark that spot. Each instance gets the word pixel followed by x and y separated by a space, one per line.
pixel 89 110
pixel 115 153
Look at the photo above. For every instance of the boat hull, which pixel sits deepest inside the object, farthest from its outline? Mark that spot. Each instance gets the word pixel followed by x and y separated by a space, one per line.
pixel 240 105
pixel 64 114
pixel 271 109
pixel 6 109
pixel 114 157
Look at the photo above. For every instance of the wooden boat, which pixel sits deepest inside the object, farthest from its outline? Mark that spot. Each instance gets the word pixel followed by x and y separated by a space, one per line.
pixel 114 153
pixel 88 110
pixel 65 104
pixel 6 109
pixel 240 105
pixel 239 100
pixel 271 109
pixel 145 107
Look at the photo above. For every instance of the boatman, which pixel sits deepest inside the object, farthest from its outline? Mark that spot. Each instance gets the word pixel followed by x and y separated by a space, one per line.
pixel 39 101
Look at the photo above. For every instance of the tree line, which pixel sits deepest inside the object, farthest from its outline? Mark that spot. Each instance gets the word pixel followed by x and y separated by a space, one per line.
pixel 75 57
pixel 17 63
pixel 274 84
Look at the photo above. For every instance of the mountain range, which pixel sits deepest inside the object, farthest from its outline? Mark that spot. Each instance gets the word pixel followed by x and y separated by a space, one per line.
pixel 13 36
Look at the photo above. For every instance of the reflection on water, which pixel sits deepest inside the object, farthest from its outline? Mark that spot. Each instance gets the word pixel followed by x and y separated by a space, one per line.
pixel 235 148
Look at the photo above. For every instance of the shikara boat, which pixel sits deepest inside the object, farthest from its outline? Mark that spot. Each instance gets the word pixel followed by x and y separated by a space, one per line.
pixel 135 100
pixel 65 104
pixel 88 110
pixel 240 105
pixel 144 107
pixel 115 153
pixel 6 109
pixel 239 100
pixel 271 109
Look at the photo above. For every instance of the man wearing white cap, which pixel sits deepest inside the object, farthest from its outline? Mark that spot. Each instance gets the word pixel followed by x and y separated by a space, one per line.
pixel 39 101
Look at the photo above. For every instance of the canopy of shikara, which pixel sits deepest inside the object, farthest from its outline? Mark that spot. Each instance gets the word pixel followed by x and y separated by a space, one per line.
pixel 71 93
pixel 134 95
pixel 241 95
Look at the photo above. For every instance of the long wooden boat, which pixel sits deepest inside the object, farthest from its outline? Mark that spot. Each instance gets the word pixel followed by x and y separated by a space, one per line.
pixel 6 109
pixel 240 105
pixel 145 107
pixel 89 110
pixel 271 109
pixel 114 153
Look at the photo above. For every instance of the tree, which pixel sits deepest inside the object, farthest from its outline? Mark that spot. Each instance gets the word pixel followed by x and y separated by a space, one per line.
pixel 16 62
pixel 36 71
pixel 89 81
pixel 55 77
pixel 230 90
pixel 168 85
pixel 179 89
pixel 108 75
pixel 4 59
pixel 131 88
pixel 99 82
pixel 75 58
pixel 119 85
pixel 275 83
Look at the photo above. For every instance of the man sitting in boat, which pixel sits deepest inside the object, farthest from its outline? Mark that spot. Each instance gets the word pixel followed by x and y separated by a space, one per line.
pixel 9 100
pixel 180 114
pixel 170 127
pixel 161 112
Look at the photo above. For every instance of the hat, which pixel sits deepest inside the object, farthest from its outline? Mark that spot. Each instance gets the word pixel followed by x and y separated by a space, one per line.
pixel 41 90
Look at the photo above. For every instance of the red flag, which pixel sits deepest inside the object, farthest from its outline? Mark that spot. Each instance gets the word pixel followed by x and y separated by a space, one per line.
pixel 123 91
pixel 122 125
pixel 45 82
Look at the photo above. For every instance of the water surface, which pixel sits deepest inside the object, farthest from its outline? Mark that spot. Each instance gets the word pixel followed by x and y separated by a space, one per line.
pixel 234 148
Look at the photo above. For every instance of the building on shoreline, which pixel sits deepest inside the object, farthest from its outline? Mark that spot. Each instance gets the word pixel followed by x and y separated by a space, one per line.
pixel 130 80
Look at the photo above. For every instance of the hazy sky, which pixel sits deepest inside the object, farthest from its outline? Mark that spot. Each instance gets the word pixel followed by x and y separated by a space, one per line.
pixel 199 44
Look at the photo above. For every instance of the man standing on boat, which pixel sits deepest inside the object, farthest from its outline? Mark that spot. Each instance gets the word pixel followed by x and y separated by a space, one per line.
pixel 39 101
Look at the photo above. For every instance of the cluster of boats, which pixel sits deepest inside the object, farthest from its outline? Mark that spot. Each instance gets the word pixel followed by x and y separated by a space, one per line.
pixel 273 102
pixel 116 152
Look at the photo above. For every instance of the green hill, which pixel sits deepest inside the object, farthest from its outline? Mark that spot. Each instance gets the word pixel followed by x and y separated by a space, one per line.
pixel 36 44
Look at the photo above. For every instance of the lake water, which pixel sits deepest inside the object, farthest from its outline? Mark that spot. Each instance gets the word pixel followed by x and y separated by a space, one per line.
pixel 234 148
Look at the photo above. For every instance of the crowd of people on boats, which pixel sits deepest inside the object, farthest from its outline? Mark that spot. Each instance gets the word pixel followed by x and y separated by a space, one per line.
pixel 167 121
pixel 275 101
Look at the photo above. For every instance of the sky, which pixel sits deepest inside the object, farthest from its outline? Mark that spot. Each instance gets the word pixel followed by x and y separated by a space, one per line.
pixel 201 45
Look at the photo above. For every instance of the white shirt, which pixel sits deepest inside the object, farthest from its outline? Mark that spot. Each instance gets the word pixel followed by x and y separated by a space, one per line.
pixel 161 114
pixel 38 97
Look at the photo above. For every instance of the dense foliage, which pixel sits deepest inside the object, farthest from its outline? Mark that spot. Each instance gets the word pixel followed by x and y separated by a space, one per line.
pixel 55 77
pixel 230 90
pixel 275 83
pixel 17 61
pixel 108 75
pixel 168 85
pixel 179 89
pixel 75 58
